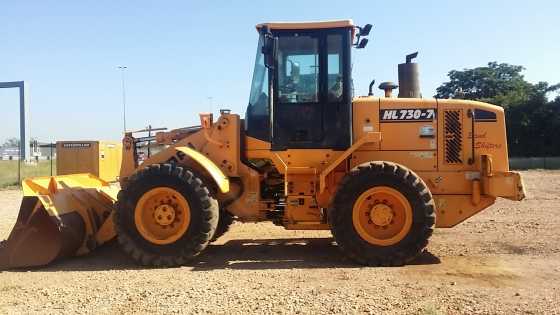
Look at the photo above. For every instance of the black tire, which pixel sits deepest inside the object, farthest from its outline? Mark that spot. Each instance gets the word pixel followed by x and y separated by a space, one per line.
pixel 203 216
pixel 224 223
pixel 395 176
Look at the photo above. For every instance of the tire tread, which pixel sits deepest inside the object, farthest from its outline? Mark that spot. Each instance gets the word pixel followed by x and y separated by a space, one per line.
pixel 423 212
pixel 192 246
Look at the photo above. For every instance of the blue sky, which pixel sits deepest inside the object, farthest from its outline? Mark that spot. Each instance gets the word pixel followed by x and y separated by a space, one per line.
pixel 179 53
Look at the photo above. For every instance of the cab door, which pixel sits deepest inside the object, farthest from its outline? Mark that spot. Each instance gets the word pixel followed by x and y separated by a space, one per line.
pixel 297 110
pixel 311 107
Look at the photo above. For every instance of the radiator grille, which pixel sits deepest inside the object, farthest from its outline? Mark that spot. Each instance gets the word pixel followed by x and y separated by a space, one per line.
pixel 453 136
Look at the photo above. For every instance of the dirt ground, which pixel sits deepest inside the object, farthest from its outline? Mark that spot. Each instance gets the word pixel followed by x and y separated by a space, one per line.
pixel 505 260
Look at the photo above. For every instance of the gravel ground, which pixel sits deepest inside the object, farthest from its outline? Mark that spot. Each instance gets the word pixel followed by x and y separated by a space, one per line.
pixel 505 260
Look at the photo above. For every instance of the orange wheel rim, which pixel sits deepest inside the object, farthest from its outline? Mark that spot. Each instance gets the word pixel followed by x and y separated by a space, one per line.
pixel 162 215
pixel 382 216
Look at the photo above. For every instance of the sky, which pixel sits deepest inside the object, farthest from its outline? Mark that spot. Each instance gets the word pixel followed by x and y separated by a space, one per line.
pixel 186 57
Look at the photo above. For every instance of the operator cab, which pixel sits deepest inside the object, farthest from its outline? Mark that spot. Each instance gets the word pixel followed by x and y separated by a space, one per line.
pixel 301 92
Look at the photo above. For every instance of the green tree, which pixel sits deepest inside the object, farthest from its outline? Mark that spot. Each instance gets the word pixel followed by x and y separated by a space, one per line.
pixel 11 142
pixel 534 127
pixel 14 142
pixel 497 83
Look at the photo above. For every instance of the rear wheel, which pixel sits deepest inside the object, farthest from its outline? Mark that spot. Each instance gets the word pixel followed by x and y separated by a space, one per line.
pixel 165 216
pixel 382 214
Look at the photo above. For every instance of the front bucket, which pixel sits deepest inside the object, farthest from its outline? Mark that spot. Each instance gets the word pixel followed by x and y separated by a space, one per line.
pixel 37 239
pixel 60 216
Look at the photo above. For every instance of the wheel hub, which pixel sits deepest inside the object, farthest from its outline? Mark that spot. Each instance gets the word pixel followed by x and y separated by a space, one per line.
pixel 381 215
pixel 164 214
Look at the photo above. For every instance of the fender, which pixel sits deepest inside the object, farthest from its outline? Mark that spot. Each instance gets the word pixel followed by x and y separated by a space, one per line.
pixel 367 138
pixel 219 177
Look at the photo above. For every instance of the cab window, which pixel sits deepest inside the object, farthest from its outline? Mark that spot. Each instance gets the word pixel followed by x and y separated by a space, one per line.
pixel 334 67
pixel 258 98
pixel 298 69
pixel 257 122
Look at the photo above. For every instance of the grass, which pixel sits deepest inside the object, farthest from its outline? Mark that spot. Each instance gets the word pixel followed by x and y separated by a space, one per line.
pixel 9 171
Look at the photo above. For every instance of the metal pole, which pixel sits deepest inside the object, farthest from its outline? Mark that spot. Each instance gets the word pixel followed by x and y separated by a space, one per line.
pixel 23 150
pixel 51 157
pixel 123 68
pixel 149 142
pixel 19 165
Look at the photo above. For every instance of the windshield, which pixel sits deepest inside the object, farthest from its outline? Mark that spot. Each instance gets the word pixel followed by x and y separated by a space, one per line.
pixel 258 99
pixel 257 116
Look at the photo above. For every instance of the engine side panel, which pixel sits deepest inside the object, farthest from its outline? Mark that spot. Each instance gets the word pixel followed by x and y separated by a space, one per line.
pixel 434 138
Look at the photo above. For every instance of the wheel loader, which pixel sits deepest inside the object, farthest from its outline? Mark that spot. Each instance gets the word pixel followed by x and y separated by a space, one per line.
pixel 379 172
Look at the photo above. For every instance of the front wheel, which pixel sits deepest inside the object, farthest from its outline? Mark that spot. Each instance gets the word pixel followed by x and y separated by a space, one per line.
pixel 382 214
pixel 165 216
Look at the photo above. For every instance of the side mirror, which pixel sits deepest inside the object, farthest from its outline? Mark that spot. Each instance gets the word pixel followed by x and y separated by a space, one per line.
pixel 269 47
pixel 364 31
pixel 362 43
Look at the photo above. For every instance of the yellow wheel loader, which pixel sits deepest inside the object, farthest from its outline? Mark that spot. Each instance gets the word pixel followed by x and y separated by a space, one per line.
pixel 379 172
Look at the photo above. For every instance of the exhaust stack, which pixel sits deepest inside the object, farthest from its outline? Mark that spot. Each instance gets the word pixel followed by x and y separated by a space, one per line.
pixel 409 84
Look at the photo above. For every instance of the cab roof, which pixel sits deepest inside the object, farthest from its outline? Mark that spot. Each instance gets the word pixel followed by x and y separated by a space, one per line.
pixel 307 25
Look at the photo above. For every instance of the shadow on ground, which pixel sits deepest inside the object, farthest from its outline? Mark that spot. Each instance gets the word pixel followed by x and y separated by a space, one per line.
pixel 244 254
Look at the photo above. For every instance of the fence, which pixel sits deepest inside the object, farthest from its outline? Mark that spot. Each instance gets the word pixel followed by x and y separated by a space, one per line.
pixel 524 163
pixel 12 170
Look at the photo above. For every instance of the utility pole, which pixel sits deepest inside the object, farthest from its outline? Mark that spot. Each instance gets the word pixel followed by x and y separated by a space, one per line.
pixel 52 144
pixel 149 141
pixel 123 68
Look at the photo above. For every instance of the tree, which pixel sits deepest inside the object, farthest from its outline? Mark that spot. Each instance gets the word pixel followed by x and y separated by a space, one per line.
pixel 534 127
pixel 501 84
pixel 11 143
pixel 533 122
pixel 14 142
